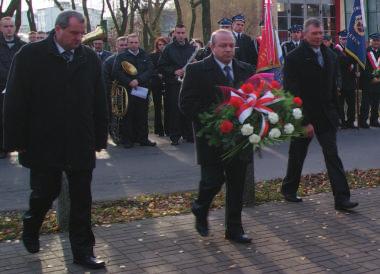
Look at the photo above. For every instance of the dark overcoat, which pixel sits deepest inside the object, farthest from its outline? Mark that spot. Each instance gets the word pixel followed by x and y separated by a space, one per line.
pixel 55 111
pixel 316 86
pixel 200 91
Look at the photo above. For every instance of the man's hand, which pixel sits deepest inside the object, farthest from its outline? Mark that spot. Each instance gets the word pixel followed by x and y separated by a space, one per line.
pixel 309 131
pixel 134 83
pixel 179 72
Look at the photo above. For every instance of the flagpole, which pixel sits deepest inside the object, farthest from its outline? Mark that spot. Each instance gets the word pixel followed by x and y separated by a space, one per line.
pixel 357 95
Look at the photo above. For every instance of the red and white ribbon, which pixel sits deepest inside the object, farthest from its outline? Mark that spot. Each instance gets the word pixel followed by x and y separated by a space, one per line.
pixel 372 59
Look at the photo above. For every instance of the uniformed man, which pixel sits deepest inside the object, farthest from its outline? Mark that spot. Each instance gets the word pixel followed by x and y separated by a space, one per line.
pixel 225 23
pixel 327 41
pixel 172 62
pixel 246 48
pixel 347 85
pixel 100 51
pixel 370 85
pixel 295 32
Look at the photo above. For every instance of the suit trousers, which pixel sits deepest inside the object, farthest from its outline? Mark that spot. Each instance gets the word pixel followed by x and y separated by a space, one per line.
pixel 348 97
pixel 212 179
pixel 157 94
pixel 45 184
pixel 297 153
pixel 370 100
pixel 179 125
pixel 135 122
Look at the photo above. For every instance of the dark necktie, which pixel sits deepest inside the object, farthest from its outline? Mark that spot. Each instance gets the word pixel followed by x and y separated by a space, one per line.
pixel 227 70
pixel 67 55
pixel 320 58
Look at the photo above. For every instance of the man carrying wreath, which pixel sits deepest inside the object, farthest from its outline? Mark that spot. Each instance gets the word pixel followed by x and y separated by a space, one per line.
pixel 199 92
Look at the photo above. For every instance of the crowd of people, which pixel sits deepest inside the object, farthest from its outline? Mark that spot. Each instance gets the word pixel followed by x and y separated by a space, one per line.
pixel 57 91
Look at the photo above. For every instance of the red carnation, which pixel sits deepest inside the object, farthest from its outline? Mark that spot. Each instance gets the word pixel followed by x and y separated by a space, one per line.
pixel 247 88
pixel 297 101
pixel 235 101
pixel 226 126
pixel 275 85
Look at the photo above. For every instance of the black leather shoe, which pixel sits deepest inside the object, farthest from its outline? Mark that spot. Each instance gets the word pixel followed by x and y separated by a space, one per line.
pixel 346 205
pixel 89 262
pixel 201 224
pixel 363 125
pixel 31 242
pixel 375 124
pixel 148 143
pixel 293 198
pixel 238 238
pixel 174 143
pixel 351 126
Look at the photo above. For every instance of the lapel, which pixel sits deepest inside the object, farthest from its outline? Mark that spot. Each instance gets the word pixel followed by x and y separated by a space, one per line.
pixel 310 56
pixel 216 72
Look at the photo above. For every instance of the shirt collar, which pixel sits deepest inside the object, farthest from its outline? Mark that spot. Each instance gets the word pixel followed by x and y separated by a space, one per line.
pixel 222 65
pixel 61 49
pixel 135 54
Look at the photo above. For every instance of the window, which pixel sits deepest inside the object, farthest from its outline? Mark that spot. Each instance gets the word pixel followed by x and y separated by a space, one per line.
pixel 372 14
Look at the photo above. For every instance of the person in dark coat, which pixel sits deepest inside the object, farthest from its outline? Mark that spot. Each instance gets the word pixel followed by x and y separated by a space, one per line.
pixel 346 91
pixel 55 116
pixel 370 87
pixel 198 93
pixel 246 48
pixel 310 72
pixel 295 32
pixel 9 45
pixel 173 59
pixel 157 86
pixel 135 122
pixel 100 51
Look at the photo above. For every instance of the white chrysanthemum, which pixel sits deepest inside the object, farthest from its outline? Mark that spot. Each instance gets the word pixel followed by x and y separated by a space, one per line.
pixel 297 113
pixel 273 118
pixel 274 133
pixel 289 128
pixel 254 139
pixel 246 129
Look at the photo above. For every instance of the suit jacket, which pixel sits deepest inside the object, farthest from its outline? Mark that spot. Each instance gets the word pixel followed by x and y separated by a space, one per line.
pixel 200 91
pixel 105 54
pixel 246 50
pixel 347 70
pixel 316 86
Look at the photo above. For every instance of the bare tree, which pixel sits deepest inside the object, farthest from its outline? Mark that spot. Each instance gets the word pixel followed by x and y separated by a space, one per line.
pixel 30 15
pixel 73 5
pixel 86 15
pixel 11 9
pixel 123 8
pixel 179 12
pixel 193 6
pixel 58 4
pixel 206 20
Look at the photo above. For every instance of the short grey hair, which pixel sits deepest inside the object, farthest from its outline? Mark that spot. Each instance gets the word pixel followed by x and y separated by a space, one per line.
pixel 312 22
pixel 64 17
pixel 218 32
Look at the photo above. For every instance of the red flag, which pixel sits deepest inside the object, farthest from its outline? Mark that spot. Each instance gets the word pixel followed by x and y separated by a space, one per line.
pixel 268 55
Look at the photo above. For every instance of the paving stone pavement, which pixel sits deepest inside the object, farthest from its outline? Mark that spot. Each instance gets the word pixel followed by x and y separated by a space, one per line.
pixel 308 237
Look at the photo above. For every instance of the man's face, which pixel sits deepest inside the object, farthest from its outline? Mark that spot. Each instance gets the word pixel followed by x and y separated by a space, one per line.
pixel 180 34
pixel 343 41
pixel 223 48
pixel 238 26
pixel 70 37
pixel 32 37
pixel 375 43
pixel 133 43
pixel 121 45
pixel 296 36
pixel 160 46
pixel 314 35
pixel 98 45
pixel 41 36
pixel 8 29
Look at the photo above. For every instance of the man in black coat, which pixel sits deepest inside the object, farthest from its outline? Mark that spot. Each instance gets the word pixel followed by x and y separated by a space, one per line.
pixel 135 122
pixel 246 48
pixel 9 45
pixel 310 72
pixel 100 51
pixel 173 59
pixel 55 116
pixel 199 92
pixel 370 86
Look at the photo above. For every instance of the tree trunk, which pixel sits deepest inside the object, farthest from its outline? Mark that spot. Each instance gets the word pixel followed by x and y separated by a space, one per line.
pixel 30 15
pixel 102 12
pixel 206 20
pixel 18 17
pixel 73 5
pixel 114 19
pixel 11 9
pixel 132 18
pixel 85 13
pixel 179 12
pixel 124 16
pixel 193 18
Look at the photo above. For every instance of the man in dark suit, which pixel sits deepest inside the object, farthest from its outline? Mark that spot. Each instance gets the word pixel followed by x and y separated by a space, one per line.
pixel 200 91
pixel 99 49
pixel 310 72
pixel 346 91
pixel 370 86
pixel 295 39
pixel 246 48
pixel 55 116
